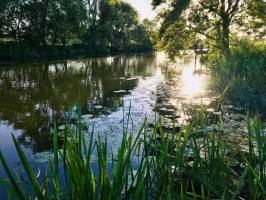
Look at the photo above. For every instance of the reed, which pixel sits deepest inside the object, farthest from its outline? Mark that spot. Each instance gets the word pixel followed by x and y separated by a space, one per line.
pixel 242 74
pixel 193 163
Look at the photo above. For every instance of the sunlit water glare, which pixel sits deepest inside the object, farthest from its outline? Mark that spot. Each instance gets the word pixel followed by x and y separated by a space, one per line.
pixel 192 84
pixel 33 96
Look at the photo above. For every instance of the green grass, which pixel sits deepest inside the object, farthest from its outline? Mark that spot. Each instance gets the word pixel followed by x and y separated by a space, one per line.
pixel 194 163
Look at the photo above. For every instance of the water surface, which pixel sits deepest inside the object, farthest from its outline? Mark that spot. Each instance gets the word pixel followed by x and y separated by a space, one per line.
pixel 35 96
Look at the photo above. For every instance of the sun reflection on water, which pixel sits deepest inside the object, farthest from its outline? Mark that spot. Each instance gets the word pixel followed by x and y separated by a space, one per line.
pixel 193 83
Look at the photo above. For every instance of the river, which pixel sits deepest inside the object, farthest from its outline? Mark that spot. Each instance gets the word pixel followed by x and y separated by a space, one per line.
pixel 35 96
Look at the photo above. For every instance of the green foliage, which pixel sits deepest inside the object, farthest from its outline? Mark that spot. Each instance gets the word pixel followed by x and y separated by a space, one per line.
pixel 194 163
pixel 100 25
pixel 211 20
pixel 10 52
pixel 150 26
pixel 119 28
pixel 43 22
pixel 176 39
pixel 243 71
pixel 256 23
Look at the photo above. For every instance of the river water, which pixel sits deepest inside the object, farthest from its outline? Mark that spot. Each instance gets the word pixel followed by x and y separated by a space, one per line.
pixel 35 96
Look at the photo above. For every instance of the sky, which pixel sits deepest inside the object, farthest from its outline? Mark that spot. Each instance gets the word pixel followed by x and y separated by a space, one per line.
pixel 143 7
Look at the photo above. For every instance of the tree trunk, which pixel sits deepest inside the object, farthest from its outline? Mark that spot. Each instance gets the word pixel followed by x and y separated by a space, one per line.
pixel 225 36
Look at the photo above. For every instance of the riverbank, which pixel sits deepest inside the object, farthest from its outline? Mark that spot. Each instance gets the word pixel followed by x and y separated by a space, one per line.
pixel 12 53
pixel 240 76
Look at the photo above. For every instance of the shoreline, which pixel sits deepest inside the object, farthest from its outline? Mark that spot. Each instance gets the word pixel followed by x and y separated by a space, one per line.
pixel 64 55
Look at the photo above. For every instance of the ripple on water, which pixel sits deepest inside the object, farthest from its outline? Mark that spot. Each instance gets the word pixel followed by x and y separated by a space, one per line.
pixel 106 86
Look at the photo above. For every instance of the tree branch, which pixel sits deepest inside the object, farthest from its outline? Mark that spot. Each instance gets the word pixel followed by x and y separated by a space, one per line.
pixel 234 8
pixel 201 32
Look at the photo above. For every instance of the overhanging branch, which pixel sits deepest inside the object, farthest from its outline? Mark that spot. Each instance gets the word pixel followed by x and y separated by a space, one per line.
pixel 195 29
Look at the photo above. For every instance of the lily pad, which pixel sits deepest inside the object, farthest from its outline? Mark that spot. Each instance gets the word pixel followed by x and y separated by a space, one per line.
pixel 120 91
pixel 86 116
pixel 132 79
pixel 98 107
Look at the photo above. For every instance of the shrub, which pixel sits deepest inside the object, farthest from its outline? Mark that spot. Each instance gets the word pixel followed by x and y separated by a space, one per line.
pixel 14 52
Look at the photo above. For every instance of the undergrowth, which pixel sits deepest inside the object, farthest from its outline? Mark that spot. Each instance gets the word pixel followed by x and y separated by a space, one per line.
pixel 243 72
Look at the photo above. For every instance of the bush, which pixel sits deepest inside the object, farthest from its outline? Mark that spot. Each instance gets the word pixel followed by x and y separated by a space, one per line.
pixel 15 52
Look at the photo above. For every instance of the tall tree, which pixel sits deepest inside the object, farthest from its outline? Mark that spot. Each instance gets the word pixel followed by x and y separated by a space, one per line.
pixel 12 19
pixel 119 25
pixel 90 38
pixel 256 23
pixel 2 17
pixel 210 18
pixel 100 25
pixel 69 20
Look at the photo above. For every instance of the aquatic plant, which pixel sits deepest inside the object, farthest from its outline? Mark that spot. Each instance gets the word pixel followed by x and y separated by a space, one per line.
pixel 194 163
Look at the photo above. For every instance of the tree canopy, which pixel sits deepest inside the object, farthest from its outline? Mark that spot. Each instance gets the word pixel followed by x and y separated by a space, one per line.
pixel 101 25
pixel 215 20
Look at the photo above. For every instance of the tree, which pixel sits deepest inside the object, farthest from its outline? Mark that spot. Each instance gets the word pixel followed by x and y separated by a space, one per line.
pixel 98 25
pixel 150 26
pixel 12 17
pixel 255 24
pixel 96 8
pixel 140 39
pixel 68 20
pixel 2 17
pixel 119 26
pixel 209 18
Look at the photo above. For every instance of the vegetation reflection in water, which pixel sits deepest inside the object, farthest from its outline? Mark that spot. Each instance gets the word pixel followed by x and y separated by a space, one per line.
pixel 105 88
pixel 34 96
pixel 42 94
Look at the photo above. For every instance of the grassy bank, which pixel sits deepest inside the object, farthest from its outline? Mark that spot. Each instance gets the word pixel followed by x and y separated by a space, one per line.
pixel 243 72
pixel 195 163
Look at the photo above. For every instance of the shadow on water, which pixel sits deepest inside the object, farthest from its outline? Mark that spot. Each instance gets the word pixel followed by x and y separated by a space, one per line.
pixel 33 97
